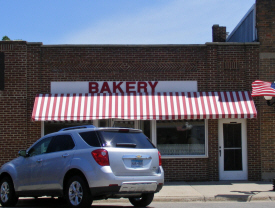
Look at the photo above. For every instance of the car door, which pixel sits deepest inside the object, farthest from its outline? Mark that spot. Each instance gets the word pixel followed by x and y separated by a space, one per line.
pixel 57 161
pixel 31 168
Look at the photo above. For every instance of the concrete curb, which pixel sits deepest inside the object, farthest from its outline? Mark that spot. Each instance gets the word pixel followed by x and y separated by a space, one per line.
pixel 199 199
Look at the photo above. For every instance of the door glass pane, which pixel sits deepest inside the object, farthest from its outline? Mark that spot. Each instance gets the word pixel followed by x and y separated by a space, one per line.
pixel 61 143
pixel 232 147
pixel 232 159
pixel 232 135
pixel 41 147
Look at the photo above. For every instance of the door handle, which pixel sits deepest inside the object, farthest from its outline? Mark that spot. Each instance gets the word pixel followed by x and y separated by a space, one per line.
pixel 65 155
pixel 220 153
pixel 39 160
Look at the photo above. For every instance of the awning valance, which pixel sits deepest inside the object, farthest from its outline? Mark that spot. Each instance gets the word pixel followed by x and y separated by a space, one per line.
pixel 143 106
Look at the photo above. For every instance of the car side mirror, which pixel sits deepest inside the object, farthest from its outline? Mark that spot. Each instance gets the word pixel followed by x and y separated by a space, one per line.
pixel 23 153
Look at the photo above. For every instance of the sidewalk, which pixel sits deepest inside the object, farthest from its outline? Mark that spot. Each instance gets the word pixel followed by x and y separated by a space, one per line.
pixel 243 191
pixel 216 191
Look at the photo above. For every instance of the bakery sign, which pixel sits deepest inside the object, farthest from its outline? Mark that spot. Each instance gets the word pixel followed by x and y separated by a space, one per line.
pixel 123 86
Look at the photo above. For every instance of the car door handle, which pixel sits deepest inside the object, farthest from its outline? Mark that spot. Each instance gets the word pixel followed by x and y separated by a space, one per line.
pixel 39 160
pixel 65 155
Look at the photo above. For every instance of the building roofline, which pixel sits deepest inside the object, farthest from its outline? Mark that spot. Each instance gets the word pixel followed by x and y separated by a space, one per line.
pixel 121 45
pixel 130 45
pixel 232 43
pixel 242 20
pixel 149 45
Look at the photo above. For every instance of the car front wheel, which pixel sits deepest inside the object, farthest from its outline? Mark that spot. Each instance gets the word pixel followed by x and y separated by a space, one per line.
pixel 142 201
pixel 77 193
pixel 8 197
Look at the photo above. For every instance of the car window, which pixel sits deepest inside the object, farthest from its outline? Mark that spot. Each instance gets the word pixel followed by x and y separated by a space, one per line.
pixel 41 147
pixel 125 139
pixel 61 143
pixel 90 138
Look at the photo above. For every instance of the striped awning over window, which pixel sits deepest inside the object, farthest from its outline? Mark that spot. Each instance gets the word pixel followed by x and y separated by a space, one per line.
pixel 144 106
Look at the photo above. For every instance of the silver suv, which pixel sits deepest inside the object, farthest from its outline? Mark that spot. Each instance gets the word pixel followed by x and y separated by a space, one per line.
pixel 85 163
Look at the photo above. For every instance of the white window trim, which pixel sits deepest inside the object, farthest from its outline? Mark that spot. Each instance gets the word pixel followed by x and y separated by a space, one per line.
pixel 96 123
pixel 42 128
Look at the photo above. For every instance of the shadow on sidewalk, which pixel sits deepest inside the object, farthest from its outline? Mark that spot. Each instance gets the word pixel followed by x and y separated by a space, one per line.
pixel 56 203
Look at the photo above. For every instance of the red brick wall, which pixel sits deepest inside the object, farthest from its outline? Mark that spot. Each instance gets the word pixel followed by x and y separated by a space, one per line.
pixel 266 35
pixel 13 101
pixel 186 169
pixel 216 67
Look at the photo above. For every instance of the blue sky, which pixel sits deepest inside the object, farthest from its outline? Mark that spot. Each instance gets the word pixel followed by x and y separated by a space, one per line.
pixel 118 21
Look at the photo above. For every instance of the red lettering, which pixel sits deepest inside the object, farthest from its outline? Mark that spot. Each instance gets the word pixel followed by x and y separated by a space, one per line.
pixel 117 87
pixel 129 87
pixel 105 87
pixel 142 85
pixel 93 87
pixel 153 86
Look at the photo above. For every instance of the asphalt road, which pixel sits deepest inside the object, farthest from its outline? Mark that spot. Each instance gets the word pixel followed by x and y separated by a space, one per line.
pixel 53 203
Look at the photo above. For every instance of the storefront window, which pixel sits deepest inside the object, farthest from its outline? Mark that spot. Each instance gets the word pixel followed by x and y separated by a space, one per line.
pixel 145 127
pixel 103 123
pixel 50 127
pixel 181 137
pixel 124 124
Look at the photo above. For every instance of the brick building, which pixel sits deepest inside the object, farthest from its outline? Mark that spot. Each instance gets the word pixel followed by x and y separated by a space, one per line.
pixel 193 101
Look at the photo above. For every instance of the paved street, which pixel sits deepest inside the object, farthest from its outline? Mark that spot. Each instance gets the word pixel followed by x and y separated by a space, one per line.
pixel 41 203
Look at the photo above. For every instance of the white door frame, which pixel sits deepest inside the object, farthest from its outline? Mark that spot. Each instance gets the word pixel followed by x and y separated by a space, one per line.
pixel 233 175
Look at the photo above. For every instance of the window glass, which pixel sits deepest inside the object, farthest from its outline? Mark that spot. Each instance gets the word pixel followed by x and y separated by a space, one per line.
pixel 61 143
pixel 41 147
pixel 115 139
pixel 146 128
pixel 181 137
pixel 90 138
pixel 103 123
pixel 124 124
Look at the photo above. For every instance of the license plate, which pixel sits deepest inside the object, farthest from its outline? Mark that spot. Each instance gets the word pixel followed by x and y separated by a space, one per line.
pixel 137 163
pixel 138 187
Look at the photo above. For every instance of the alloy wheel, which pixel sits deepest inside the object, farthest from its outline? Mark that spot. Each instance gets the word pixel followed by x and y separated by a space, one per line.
pixel 5 190
pixel 75 193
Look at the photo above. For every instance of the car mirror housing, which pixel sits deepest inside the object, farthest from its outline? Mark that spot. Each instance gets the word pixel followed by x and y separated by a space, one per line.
pixel 23 153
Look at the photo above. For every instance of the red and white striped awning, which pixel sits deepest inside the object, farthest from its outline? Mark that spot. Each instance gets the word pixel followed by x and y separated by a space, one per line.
pixel 143 106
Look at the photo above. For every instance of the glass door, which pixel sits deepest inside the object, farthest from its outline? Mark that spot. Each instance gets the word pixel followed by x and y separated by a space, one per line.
pixel 232 149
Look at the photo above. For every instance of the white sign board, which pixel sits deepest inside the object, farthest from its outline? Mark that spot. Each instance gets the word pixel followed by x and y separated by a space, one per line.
pixel 124 86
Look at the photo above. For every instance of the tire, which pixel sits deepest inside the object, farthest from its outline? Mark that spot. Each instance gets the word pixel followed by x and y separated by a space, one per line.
pixel 8 197
pixel 77 193
pixel 143 201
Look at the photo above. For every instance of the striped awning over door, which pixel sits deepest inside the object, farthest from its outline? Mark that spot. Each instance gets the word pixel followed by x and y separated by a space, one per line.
pixel 144 106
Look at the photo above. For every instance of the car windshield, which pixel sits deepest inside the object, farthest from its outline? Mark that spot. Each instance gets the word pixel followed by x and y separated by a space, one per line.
pixel 125 139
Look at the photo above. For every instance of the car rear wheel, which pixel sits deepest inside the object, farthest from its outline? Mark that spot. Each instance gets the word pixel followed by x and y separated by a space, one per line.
pixel 8 197
pixel 142 201
pixel 77 193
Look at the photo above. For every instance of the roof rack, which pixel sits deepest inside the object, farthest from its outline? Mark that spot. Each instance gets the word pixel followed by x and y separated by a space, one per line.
pixel 78 127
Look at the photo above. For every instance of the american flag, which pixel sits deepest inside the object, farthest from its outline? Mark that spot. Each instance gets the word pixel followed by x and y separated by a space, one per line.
pixel 261 88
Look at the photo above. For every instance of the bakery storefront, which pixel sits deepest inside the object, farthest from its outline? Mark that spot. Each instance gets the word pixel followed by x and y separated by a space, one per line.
pixel 173 114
